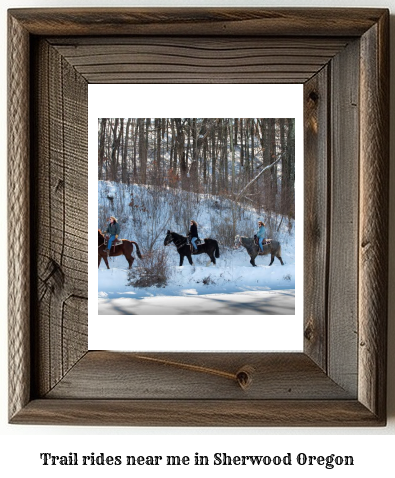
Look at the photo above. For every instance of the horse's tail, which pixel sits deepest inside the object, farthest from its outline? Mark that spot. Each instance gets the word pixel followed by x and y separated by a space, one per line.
pixel 216 249
pixel 137 249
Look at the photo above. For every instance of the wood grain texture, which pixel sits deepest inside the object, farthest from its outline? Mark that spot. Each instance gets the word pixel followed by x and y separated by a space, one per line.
pixel 316 213
pixel 199 21
pixel 373 232
pixel 18 216
pixel 196 376
pixel 344 216
pixel 202 413
pixel 164 59
pixel 61 246
pixel 314 388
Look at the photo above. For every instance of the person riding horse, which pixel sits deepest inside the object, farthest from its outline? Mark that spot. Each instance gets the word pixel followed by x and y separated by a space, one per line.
pixel 113 230
pixel 261 234
pixel 193 235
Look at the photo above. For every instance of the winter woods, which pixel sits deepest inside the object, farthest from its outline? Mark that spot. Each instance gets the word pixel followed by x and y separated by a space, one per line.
pixel 246 160
pixel 156 174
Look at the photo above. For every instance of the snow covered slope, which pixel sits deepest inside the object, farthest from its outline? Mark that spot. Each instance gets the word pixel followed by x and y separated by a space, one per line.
pixel 145 214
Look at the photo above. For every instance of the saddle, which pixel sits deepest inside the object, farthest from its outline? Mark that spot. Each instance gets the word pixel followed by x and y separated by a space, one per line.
pixel 189 242
pixel 264 242
pixel 116 242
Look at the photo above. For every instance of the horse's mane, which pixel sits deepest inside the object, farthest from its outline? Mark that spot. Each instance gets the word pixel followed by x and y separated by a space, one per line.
pixel 177 236
pixel 101 238
pixel 247 240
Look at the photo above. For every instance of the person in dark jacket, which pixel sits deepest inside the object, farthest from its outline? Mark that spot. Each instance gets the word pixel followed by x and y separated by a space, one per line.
pixel 193 234
pixel 113 230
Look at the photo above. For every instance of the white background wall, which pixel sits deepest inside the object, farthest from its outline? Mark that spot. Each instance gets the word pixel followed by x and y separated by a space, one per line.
pixel 371 448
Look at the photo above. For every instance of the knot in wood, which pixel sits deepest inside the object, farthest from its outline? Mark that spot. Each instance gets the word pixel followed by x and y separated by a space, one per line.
pixel 308 332
pixel 244 376
pixel 313 96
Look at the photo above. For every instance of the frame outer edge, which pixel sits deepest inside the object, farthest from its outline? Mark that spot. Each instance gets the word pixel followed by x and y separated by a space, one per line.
pixel 19 217
pixel 202 21
pixel 373 227
pixel 374 212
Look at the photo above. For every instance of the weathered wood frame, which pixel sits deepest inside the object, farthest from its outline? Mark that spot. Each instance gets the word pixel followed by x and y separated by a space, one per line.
pixel 342 57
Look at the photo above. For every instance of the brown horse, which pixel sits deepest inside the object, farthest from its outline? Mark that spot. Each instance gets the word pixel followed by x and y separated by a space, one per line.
pixel 126 249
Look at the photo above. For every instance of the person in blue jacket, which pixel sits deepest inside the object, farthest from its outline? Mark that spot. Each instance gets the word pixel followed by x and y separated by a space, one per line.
pixel 113 230
pixel 261 234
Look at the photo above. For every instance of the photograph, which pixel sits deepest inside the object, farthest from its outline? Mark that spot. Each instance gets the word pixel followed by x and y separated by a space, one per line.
pixel 196 216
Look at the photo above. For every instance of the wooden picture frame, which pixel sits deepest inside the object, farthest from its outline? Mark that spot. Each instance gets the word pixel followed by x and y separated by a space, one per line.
pixel 342 58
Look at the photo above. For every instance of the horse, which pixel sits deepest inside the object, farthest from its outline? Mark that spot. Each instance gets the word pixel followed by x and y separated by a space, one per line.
pixel 273 247
pixel 126 248
pixel 210 247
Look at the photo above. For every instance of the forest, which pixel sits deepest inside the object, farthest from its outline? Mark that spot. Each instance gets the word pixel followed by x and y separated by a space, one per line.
pixel 250 161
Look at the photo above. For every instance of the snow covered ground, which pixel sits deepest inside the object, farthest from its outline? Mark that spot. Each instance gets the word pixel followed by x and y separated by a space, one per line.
pixel 233 286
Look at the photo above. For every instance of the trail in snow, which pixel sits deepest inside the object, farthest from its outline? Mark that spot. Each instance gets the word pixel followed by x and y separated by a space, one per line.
pixel 250 303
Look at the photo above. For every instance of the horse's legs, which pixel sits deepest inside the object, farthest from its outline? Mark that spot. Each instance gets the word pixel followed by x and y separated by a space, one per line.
pixel 271 262
pixel 181 259
pixel 190 259
pixel 212 258
pixel 252 261
pixel 280 259
pixel 130 261
pixel 105 260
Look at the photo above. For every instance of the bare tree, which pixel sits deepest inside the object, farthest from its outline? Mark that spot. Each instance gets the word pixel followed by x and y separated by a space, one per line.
pixel 117 133
pixel 102 138
pixel 142 151
pixel 211 155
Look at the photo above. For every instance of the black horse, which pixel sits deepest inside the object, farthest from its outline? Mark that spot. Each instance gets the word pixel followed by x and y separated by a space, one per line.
pixel 210 247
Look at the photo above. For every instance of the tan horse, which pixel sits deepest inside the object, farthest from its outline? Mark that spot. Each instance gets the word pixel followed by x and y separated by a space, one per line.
pixel 126 249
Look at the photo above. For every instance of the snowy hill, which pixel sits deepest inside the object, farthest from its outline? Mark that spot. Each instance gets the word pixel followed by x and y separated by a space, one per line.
pixel 145 213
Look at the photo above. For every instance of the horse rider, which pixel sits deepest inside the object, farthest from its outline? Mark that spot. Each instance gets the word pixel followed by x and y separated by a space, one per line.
pixel 261 234
pixel 193 234
pixel 113 230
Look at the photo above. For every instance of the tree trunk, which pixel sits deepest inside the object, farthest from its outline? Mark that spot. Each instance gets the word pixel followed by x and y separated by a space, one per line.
pixel 115 150
pixel 251 172
pixel 180 141
pixel 232 151
pixel 247 153
pixel 158 129
pixel 142 151
pixel 290 153
pixel 125 152
pixel 241 142
pixel 213 164
pixel 273 170
pixel 102 137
